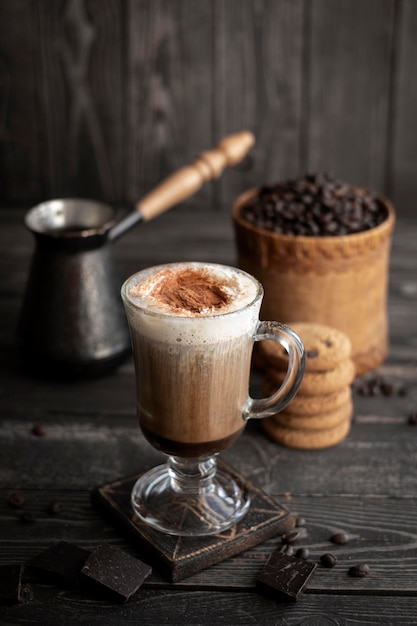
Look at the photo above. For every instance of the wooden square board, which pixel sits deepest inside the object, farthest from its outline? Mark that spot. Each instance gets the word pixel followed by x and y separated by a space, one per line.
pixel 180 557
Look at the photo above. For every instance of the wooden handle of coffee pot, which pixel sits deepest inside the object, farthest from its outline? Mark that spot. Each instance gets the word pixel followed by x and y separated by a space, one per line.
pixel 187 180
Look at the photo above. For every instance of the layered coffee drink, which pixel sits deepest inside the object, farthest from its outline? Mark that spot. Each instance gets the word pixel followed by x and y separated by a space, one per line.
pixel 192 330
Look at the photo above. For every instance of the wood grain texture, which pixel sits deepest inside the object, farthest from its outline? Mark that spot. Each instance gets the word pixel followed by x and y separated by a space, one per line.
pixel 258 81
pixel 365 487
pixel 220 608
pixel 169 91
pixel 105 98
pixel 404 146
pixel 81 87
pixel 20 145
pixel 349 81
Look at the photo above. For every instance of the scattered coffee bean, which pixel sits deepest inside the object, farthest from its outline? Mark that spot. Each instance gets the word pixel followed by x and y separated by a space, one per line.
pixel 54 507
pixel 314 205
pixel 328 560
pixel 26 518
pixel 16 499
pixel 339 539
pixel 300 521
pixel 38 430
pixel 359 571
pixel 412 418
pixel 377 385
pixel 292 537
pixel 303 553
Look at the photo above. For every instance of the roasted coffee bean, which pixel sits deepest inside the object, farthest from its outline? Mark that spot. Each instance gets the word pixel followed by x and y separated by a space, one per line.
pixel 303 553
pixel 54 507
pixel 38 430
pixel 328 560
pixel 16 499
pixel 359 571
pixel 314 205
pixel 339 539
pixel 377 385
pixel 292 537
pixel 387 389
pixel 412 418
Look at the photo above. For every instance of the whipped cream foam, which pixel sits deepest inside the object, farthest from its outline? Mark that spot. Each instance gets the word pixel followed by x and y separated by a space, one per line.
pixel 234 312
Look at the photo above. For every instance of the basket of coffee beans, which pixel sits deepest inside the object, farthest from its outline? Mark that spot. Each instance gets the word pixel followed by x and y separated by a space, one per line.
pixel 320 247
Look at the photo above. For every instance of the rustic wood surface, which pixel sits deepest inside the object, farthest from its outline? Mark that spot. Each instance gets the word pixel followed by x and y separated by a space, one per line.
pixel 105 98
pixel 366 486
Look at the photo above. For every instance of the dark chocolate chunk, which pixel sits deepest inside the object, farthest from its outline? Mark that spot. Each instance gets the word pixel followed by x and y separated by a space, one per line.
pixel 285 575
pixel 12 591
pixel 114 572
pixel 62 561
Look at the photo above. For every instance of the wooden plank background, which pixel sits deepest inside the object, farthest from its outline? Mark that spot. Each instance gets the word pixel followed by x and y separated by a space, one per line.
pixel 104 98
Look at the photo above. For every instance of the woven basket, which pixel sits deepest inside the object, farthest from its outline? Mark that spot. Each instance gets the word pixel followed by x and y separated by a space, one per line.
pixel 338 281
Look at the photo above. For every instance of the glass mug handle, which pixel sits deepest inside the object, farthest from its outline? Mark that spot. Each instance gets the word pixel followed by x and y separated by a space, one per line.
pixel 265 407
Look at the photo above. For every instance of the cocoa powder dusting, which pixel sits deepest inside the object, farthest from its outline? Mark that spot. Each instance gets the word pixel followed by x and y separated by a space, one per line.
pixel 191 290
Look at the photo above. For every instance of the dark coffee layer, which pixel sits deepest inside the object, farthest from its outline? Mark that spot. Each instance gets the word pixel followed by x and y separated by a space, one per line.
pixel 188 450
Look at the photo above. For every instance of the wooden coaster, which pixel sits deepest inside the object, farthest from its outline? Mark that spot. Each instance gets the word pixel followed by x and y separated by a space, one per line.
pixel 179 557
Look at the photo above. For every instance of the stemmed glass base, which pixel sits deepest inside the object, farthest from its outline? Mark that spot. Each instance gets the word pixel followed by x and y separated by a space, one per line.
pixel 189 497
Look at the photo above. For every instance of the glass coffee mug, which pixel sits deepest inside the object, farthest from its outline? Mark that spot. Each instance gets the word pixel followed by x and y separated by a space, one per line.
pixel 193 326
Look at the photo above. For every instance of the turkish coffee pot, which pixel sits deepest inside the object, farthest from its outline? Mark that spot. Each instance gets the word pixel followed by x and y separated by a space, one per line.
pixel 72 322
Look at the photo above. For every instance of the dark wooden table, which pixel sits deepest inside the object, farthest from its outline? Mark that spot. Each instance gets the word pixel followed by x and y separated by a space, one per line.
pixel 366 486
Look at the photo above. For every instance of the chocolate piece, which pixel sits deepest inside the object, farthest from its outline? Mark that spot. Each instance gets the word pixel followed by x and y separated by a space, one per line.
pixel 62 561
pixel 11 583
pixel 285 575
pixel 114 571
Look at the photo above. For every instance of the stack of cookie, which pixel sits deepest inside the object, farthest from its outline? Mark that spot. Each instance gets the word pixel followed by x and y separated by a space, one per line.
pixel 320 414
